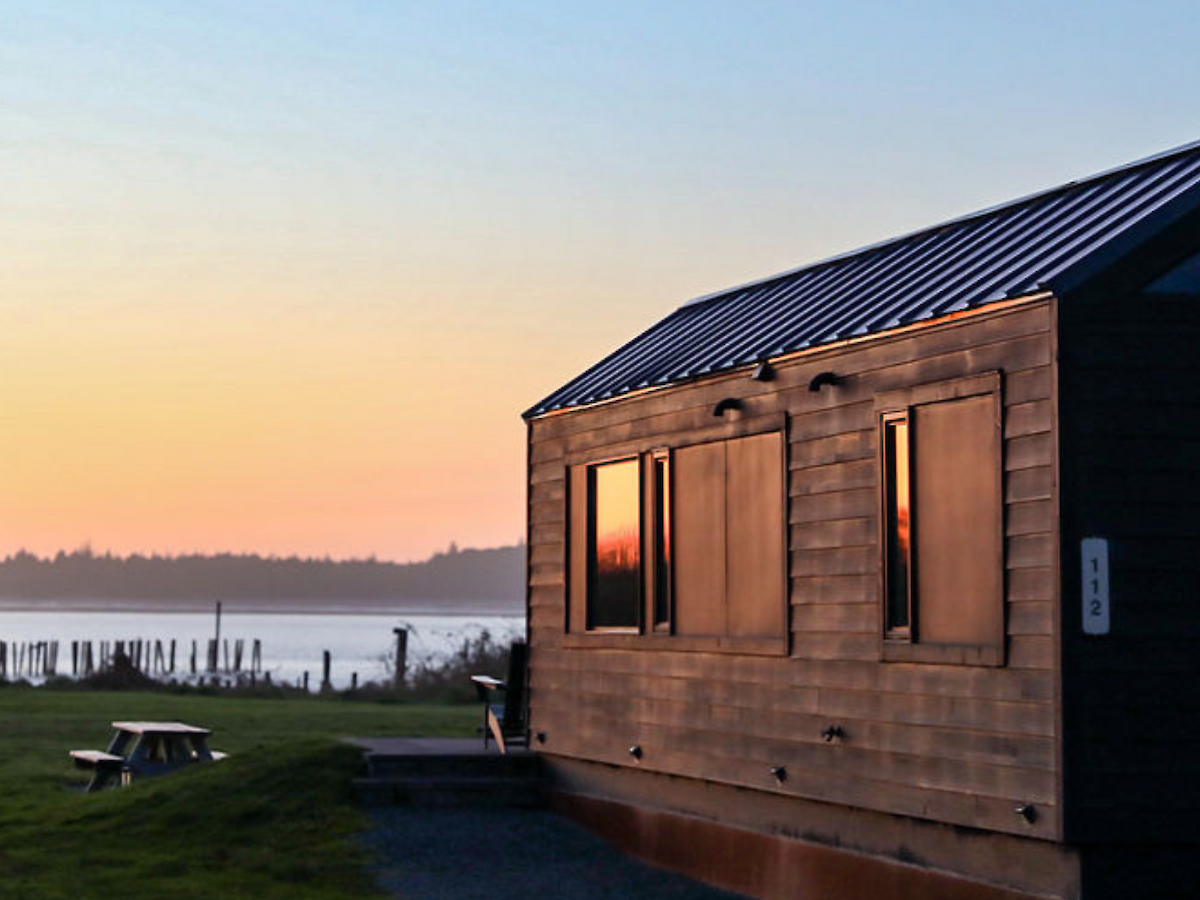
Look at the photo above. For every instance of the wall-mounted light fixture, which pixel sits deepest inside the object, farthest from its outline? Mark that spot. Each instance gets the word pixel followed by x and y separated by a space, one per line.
pixel 823 378
pixel 725 405
pixel 636 751
pixel 779 773
pixel 764 371
pixel 1028 812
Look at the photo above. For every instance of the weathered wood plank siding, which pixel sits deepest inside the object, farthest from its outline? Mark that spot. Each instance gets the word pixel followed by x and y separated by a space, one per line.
pixel 1131 428
pixel 952 743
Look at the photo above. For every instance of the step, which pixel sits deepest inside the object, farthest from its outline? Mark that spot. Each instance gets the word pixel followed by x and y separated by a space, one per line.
pixel 517 764
pixel 442 791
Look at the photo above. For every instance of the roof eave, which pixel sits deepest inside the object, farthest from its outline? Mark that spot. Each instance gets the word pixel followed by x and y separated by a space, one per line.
pixel 1041 293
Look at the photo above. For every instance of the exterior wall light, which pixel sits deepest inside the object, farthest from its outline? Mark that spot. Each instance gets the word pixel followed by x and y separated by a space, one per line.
pixel 823 378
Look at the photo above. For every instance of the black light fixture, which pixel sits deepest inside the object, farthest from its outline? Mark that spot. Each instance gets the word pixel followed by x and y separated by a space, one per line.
pixel 823 378
pixel 764 371
pixel 636 751
pixel 540 737
pixel 1028 812
pixel 725 405
pixel 779 773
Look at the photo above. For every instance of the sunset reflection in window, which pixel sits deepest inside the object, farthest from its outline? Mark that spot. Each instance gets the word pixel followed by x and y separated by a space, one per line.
pixel 614 551
pixel 662 542
pixel 898 522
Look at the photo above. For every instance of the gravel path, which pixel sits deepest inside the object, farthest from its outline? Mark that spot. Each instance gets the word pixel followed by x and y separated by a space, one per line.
pixel 498 854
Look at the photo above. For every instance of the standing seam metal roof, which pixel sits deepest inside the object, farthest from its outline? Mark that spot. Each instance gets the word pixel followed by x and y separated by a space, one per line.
pixel 1002 252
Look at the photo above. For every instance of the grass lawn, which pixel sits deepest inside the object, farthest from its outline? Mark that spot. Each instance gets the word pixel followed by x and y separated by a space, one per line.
pixel 274 820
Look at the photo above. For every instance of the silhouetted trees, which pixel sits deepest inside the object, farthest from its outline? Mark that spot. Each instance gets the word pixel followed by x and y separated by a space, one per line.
pixel 496 575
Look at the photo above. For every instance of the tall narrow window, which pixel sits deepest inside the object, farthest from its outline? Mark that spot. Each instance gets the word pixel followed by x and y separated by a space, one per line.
pixel 942 508
pixel 897 525
pixel 662 542
pixel 614 545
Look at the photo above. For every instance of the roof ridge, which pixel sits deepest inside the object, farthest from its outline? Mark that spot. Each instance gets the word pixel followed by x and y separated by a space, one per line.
pixel 1181 150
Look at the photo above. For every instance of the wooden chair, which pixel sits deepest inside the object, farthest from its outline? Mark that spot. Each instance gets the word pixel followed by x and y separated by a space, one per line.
pixel 505 721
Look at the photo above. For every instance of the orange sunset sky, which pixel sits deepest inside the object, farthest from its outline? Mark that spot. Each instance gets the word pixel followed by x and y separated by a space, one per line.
pixel 281 278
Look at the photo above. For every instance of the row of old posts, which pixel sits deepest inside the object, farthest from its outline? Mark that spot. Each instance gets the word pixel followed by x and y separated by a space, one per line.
pixel 151 657
pixel 34 658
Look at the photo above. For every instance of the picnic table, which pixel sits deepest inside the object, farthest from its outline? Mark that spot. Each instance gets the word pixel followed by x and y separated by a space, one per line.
pixel 145 750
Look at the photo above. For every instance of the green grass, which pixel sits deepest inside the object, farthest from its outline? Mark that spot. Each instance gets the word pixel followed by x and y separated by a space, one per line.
pixel 276 820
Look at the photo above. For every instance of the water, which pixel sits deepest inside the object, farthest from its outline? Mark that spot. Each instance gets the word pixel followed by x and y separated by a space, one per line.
pixel 292 643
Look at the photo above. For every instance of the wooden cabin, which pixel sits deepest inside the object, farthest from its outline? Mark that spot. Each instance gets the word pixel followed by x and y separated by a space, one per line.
pixel 870 579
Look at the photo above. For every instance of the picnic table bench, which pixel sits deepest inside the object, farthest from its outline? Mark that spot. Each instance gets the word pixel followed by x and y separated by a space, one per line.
pixel 145 750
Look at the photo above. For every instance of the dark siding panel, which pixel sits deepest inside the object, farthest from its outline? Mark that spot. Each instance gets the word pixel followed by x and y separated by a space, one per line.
pixel 1131 417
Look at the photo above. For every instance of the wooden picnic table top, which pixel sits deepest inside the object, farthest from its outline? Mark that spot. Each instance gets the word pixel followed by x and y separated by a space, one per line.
pixel 159 728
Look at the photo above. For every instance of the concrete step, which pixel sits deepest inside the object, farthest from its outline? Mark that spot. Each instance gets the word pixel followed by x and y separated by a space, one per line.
pixel 445 790
pixel 517 764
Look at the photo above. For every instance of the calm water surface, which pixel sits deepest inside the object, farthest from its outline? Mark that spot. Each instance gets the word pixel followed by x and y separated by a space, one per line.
pixel 292 643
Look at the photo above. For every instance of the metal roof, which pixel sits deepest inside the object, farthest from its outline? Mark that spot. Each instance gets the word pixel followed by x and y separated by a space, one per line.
pixel 1045 241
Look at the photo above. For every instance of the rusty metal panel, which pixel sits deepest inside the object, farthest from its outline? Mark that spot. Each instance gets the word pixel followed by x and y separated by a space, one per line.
pixel 1049 241
pixel 700 539
pixel 755 536
pixel 957 519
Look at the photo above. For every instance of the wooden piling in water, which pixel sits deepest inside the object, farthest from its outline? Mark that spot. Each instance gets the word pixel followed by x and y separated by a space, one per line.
pixel 325 664
pixel 401 656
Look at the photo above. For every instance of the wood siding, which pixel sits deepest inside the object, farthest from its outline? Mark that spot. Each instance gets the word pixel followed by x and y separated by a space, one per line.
pixel 958 744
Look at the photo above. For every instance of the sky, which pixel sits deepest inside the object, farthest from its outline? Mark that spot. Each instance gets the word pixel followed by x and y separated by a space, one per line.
pixel 280 277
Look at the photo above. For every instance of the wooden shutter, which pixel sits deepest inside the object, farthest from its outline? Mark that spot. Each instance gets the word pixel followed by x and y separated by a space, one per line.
pixel 958 532
pixel 699 525
pixel 754 498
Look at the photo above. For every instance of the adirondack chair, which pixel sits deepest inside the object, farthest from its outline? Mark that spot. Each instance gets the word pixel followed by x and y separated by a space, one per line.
pixel 505 721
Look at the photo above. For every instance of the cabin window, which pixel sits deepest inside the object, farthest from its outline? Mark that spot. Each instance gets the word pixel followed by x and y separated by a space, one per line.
pixel 660 589
pixel 697 557
pixel 614 552
pixel 941 514
pixel 897 518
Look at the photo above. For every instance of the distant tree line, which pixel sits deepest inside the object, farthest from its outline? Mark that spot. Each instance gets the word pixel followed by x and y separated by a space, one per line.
pixel 496 574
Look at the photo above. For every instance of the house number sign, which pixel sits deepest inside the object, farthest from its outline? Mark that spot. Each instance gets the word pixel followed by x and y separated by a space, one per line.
pixel 1095 585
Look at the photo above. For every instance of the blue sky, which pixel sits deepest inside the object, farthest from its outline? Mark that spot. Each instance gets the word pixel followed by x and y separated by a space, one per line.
pixel 243 223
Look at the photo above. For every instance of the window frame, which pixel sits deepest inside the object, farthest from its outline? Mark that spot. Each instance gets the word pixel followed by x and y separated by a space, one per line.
pixel 590 548
pixel 659 542
pixel 647 636
pixel 898 644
